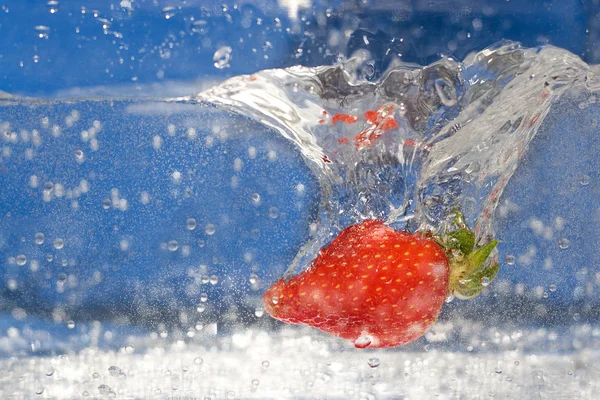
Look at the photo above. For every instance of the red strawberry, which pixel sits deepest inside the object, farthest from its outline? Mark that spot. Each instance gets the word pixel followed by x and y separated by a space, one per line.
pixel 372 285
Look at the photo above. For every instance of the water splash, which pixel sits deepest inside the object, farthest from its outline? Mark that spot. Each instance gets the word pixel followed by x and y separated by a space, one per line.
pixel 418 143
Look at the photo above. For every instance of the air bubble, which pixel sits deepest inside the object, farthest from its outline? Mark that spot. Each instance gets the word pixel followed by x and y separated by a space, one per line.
pixel 21 260
pixel 273 212
pixel 552 288
pixel 79 156
pixel 373 362
pixel 584 180
pixel 114 371
pixel 564 243
pixel 275 299
pixel 42 31
pixel 510 259
pixel 266 364
pixel 172 245
pixel 222 57
pixel 200 308
pixel 50 370
pixel 169 12
pixel 214 280
pixel 256 199
pixel 190 224
pixel 70 324
pixel 199 26
pixel 255 383
pixel 104 390
pixel 129 349
pixel 363 341
pixel 59 243
pixel 253 279
pixel 198 360
pixel 470 347
pixel 485 281
pixel 39 238
pixel 259 312
pixel 203 297
pixel 210 229
pixel 106 203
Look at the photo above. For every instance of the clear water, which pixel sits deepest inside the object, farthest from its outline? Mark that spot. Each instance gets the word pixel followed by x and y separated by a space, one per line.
pixel 417 143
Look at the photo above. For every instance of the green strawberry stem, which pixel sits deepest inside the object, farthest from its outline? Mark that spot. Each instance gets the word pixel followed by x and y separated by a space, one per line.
pixel 468 272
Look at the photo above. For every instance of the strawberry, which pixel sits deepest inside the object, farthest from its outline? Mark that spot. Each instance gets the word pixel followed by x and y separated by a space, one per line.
pixel 379 287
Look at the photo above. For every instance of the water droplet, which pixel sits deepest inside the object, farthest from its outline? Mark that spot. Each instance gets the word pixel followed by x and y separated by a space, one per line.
pixel 85 393
pixel 552 288
pixel 275 299
pixel 498 370
pixel 203 297
pixel 449 298
pixel 255 383
pixel 173 245
pixel 214 279
pixel 222 57
pixel 106 204
pixel 266 364
pixel 50 370
pixel 200 308
pixel 39 238
pixel 21 260
pixel 363 341
pixel 485 281
pixel 584 180
pixel 129 349
pixel 256 199
pixel 70 324
pixel 253 279
pixel 104 390
pixel 273 212
pixel 95 375
pixel 114 371
pixel 198 360
pixel 259 312
pixel 59 243
pixel 470 347
pixel 517 362
pixel 39 389
pixel 373 362
pixel 510 259
pixel 169 12
pixel 190 224
pixel 204 279
pixel 210 229
pixel 564 243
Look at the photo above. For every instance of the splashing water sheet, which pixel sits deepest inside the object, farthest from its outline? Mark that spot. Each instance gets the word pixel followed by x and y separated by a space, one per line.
pixel 409 148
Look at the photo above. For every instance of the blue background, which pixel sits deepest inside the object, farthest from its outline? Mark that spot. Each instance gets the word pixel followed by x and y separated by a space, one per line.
pixel 143 53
